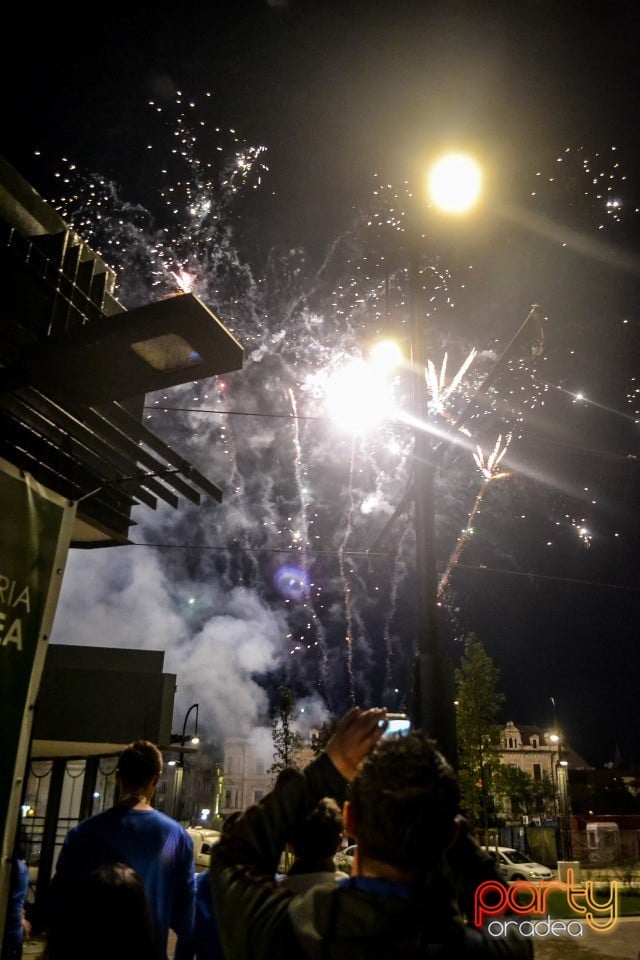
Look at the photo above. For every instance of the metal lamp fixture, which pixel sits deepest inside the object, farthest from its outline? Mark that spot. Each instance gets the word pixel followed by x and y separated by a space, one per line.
pixel 195 739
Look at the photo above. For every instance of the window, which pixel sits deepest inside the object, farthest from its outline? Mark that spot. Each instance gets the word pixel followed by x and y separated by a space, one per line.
pixel 537 772
pixel 534 743
pixel 227 798
pixel 258 795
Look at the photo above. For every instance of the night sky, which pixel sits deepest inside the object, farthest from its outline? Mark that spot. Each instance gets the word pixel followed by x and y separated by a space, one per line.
pixel 336 107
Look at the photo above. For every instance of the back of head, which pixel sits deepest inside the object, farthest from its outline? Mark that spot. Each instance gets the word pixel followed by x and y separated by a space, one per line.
pixel 139 763
pixel 111 918
pixel 114 916
pixel 230 819
pixel 318 836
pixel 404 801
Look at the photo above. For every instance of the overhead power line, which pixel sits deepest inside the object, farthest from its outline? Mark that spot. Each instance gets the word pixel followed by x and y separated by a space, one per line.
pixel 368 555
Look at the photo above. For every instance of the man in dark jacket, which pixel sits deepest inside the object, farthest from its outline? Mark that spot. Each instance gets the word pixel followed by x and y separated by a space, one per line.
pixel 414 875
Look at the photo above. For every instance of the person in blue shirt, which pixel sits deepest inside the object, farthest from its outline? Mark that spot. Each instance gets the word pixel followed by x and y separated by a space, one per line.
pixel 206 939
pixel 132 832
pixel 16 927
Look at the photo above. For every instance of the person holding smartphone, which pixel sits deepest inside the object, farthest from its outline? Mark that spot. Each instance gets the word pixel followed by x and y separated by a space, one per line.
pixel 415 868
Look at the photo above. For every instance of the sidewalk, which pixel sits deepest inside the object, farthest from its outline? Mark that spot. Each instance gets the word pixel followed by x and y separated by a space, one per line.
pixel 623 943
pixel 34 949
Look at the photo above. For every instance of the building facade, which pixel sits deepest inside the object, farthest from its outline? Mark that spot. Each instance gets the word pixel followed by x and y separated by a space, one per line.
pixel 246 772
pixel 531 749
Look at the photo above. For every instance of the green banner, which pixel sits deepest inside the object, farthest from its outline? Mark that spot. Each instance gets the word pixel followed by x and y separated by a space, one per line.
pixel 35 532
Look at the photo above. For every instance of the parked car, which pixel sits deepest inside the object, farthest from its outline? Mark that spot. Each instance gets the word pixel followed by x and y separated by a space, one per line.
pixel 515 865
pixel 203 840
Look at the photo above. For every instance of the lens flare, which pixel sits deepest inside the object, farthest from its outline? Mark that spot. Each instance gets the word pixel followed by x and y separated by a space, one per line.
pixel 292 582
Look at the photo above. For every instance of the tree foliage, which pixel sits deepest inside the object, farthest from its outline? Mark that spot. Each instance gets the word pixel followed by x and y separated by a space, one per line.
pixel 516 787
pixel 521 794
pixel 287 741
pixel 478 731
pixel 321 737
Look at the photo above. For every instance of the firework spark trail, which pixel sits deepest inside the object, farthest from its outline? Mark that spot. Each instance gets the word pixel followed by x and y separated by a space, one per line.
pixel 293 323
pixel 297 464
pixel 462 540
pixel 488 467
pixel 582 531
pixel 436 385
pixel 237 564
pixel 320 632
pixel 398 571
pixel 345 582
pixel 580 398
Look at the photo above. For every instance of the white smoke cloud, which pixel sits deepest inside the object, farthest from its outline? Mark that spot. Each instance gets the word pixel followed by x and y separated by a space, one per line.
pixel 123 598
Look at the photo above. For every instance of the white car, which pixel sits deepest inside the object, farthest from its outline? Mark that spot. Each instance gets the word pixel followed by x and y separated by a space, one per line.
pixel 515 865
pixel 344 858
pixel 203 840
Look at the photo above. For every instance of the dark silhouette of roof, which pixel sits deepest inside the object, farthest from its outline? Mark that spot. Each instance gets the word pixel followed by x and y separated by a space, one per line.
pixel 72 389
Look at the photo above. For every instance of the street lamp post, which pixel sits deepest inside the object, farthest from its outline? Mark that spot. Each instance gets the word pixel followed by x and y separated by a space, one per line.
pixel 194 739
pixel 563 795
pixel 562 789
pixel 434 696
pixel 433 706
pixel 454 184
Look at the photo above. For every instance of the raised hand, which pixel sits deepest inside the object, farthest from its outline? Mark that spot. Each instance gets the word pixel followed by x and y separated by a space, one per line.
pixel 355 736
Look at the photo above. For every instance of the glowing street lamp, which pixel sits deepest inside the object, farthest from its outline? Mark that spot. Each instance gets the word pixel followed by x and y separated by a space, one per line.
pixel 454 183
pixel 358 396
pixel 385 356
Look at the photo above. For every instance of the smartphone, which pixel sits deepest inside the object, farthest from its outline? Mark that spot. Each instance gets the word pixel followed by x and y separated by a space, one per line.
pixel 397 723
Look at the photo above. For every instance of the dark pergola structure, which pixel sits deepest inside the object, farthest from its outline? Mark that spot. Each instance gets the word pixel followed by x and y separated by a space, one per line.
pixel 75 366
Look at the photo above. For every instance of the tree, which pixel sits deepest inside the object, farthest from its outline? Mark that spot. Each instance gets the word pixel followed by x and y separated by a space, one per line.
pixel 478 731
pixel 286 739
pixel 516 787
pixel 321 737
pixel 521 794
pixel 545 794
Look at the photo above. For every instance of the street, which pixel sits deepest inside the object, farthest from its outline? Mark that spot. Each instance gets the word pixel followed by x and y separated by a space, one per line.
pixel 623 943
